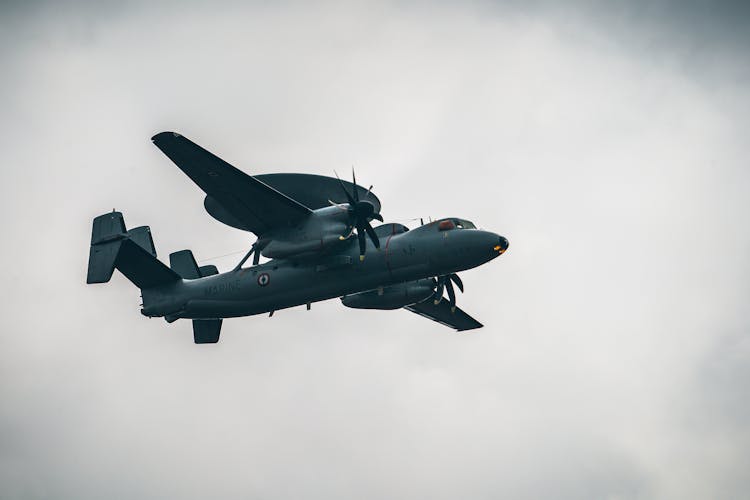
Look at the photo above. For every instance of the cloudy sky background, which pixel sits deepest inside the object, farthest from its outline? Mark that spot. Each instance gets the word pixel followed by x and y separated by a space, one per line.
pixel 609 144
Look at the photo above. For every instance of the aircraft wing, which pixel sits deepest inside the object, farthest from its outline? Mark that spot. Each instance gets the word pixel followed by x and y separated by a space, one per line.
pixel 441 313
pixel 253 204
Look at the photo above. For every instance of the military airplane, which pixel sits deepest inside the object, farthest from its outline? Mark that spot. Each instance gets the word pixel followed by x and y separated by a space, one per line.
pixel 316 231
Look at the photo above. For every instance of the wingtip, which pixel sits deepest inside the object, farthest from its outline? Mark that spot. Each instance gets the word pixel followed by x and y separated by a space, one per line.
pixel 165 135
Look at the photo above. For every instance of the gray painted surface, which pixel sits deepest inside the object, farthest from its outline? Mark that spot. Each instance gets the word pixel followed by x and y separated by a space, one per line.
pixel 434 249
pixel 609 140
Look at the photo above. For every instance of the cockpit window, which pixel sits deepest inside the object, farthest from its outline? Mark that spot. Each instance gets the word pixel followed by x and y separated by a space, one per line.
pixel 446 225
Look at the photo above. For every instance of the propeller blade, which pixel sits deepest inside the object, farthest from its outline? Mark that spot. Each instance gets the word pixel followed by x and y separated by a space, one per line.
pixel 457 281
pixel 451 294
pixel 362 242
pixel 439 291
pixel 348 235
pixel 354 181
pixel 373 236
pixel 351 200
pixel 360 214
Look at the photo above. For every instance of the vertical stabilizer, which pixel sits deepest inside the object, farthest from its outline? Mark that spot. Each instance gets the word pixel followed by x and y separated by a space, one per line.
pixel 206 331
pixel 208 270
pixel 107 234
pixel 131 252
pixel 183 263
pixel 142 237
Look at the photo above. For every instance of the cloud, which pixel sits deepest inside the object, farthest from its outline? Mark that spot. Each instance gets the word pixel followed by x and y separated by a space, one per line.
pixel 605 142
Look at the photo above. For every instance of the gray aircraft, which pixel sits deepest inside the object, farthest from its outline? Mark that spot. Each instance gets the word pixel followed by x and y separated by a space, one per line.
pixel 315 230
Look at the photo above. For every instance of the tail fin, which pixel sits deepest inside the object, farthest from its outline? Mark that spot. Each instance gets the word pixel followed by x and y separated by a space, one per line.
pixel 131 252
pixel 206 331
pixel 208 270
pixel 106 236
pixel 183 263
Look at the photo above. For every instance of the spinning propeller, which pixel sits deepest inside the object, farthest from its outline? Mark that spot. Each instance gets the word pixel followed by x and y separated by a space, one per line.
pixel 360 214
pixel 444 282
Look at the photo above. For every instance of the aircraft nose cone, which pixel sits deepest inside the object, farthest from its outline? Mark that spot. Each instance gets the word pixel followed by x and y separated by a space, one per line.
pixel 502 245
pixel 365 209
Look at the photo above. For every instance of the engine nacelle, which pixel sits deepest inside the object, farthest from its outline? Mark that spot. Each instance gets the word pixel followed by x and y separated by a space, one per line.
pixel 391 297
pixel 316 234
pixel 284 249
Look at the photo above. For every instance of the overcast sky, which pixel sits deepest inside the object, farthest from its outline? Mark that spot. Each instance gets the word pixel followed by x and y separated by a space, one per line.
pixel 608 144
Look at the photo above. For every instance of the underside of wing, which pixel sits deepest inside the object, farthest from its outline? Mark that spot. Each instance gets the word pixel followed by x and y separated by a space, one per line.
pixel 312 191
pixel 251 204
pixel 441 312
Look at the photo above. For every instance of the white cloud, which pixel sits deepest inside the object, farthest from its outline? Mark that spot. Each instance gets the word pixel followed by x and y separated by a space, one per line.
pixel 612 362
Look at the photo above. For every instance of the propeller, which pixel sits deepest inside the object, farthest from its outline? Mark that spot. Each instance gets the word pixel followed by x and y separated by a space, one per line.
pixel 445 282
pixel 360 214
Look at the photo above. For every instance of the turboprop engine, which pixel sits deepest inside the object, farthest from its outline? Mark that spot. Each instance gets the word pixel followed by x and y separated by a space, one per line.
pixel 326 226
pixel 391 297
pixel 318 232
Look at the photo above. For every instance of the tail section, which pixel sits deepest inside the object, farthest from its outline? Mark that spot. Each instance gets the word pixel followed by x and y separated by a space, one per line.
pixel 208 270
pixel 183 263
pixel 206 331
pixel 106 236
pixel 131 252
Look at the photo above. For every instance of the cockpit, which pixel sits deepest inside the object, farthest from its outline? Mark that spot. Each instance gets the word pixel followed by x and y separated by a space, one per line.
pixel 453 223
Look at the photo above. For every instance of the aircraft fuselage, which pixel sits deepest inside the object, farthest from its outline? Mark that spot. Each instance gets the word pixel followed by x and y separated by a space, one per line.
pixel 282 283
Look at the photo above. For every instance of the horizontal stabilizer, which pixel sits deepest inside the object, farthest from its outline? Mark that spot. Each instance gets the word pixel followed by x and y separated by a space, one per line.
pixel 206 331
pixel 142 268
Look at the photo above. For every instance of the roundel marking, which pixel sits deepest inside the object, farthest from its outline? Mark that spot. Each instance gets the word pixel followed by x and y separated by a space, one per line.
pixel 264 279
